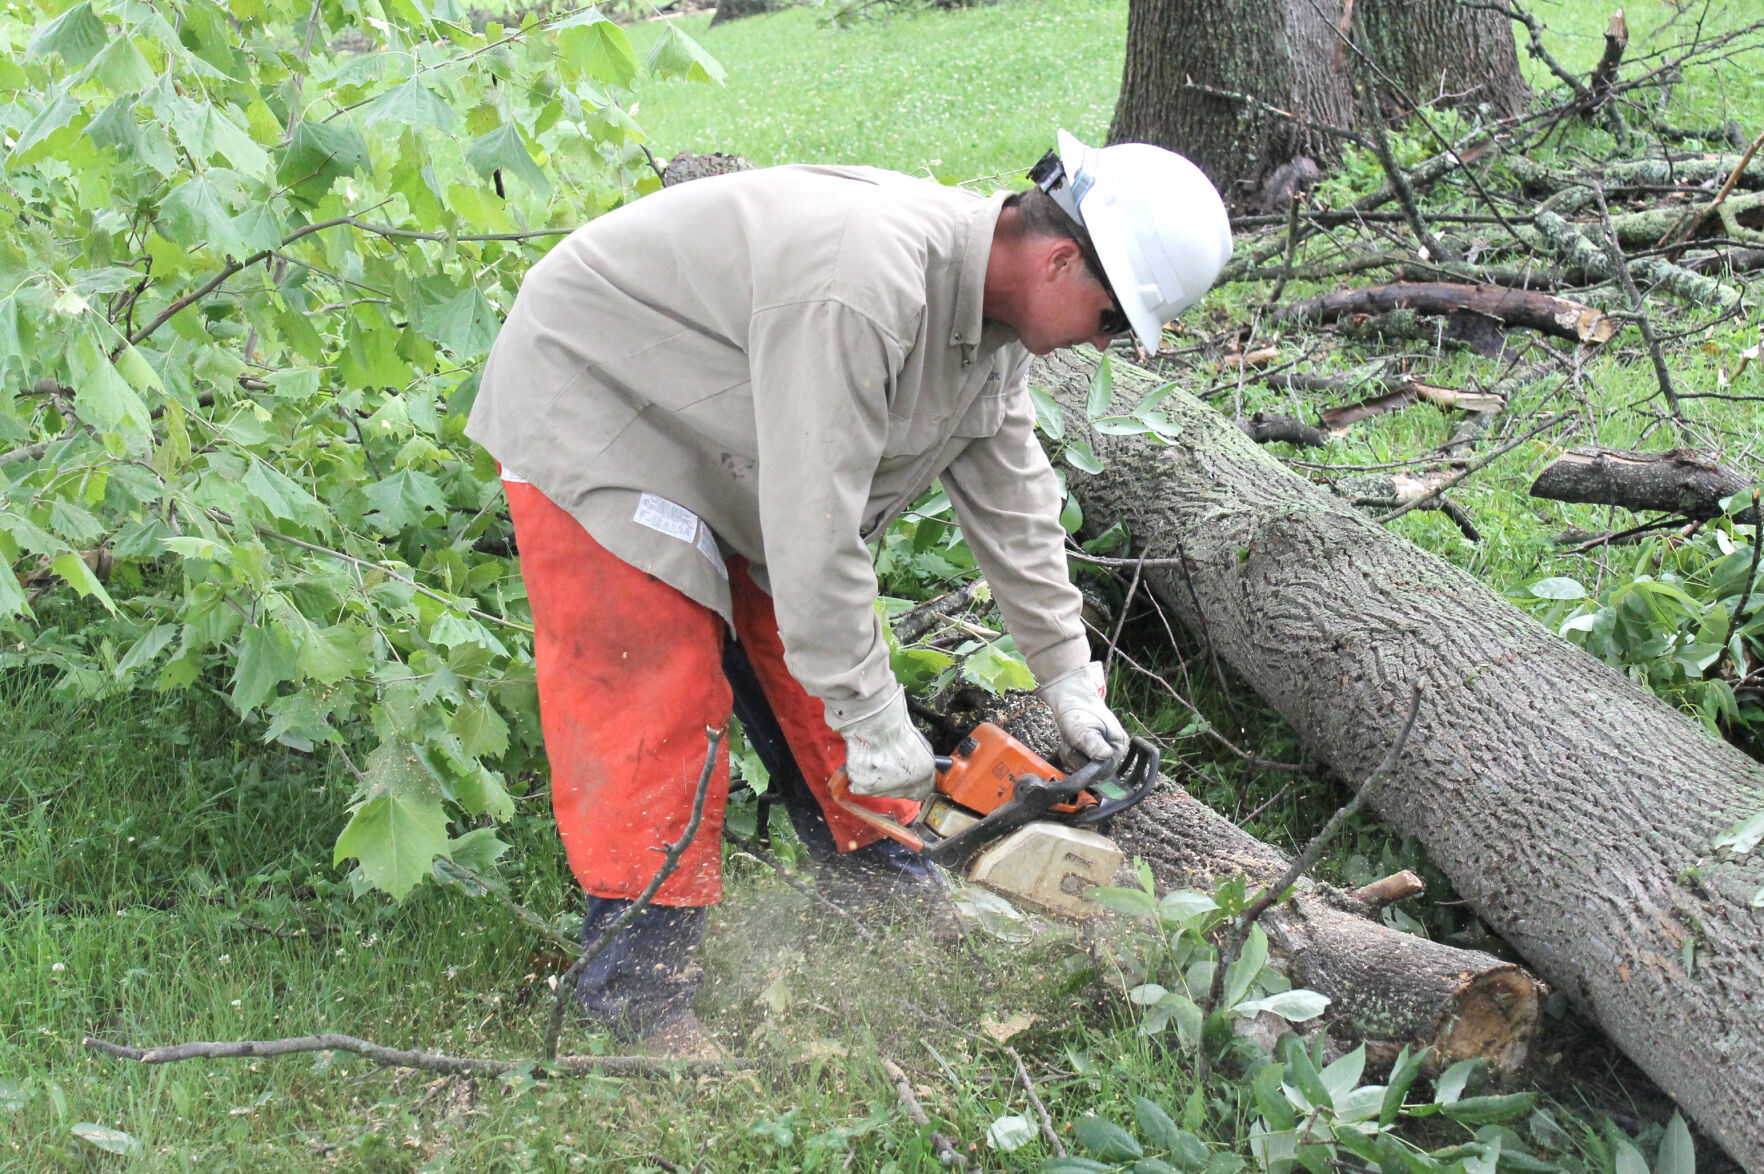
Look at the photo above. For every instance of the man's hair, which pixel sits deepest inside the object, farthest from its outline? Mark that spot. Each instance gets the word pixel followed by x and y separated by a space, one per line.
pixel 1039 216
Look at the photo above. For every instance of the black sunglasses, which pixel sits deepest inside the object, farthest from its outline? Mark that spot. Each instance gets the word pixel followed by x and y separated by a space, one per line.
pixel 1049 174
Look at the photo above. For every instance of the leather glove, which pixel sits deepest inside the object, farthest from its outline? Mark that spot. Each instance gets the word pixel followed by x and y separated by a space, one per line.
pixel 886 755
pixel 1085 722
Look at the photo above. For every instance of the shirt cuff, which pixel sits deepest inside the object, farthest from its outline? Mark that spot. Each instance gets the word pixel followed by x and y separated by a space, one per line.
pixel 1054 663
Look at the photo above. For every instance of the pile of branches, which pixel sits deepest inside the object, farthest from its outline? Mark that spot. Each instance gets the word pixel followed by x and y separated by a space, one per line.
pixel 1489 249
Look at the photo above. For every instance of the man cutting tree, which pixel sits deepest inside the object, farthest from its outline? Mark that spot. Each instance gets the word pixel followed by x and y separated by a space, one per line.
pixel 706 404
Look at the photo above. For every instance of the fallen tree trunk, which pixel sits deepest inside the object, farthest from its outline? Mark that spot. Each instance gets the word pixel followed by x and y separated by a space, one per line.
pixel 1387 989
pixel 1574 811
pixel 1679 482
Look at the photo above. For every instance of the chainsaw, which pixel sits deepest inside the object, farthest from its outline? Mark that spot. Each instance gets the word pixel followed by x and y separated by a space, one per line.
pixel 1017 825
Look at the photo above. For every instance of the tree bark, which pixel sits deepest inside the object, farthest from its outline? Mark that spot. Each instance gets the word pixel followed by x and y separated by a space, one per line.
pixel 1387 989
pixel 1574 811
pixel 1207 78
pixel 1442 52
pixel 1677 482
pixel 1246 88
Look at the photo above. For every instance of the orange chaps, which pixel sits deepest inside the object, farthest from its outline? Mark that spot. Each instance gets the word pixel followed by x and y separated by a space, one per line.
pixel 630 674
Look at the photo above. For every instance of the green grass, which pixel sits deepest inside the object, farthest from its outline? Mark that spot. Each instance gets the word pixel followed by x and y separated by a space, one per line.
pixel 968 94
pixel 165 881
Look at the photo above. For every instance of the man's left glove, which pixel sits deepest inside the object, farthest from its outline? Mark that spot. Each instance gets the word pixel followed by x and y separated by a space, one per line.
pixel 1085 722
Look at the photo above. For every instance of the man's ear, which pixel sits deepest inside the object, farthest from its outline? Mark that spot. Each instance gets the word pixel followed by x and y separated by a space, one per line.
pixel 1062 256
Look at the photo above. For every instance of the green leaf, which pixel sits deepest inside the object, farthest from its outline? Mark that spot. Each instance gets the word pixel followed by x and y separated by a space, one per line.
pixel 111 1141
pixel 14 1094
pixel 1302 1070
pixel 1450 1085
pixel 1558 588
pixel 334 654
pixel 592 45
pixel 480 792
pixel 1049 419
pixel 1074 1165
pixel 1402 1075
pixel 277 493
pixel 480 729
pixel 76 34
pixel 1343 1075
pixel 1079 456
pixel 195 212
pixel 465 322
pixel 121 67
pixel 1137 902
pixel 1010 1133
pixel 478 850
pixel 1153 1166
pixel 503 149
pixel 1105 1140
pixel 412 104
pixel 1743 836
pixel 1243 971
pixel 996 671
pixel 1483 1110
pixel 58 111
pixel 1187 1152
pixel 401 499
pixel 1678 1155
pixel 317 155
pixel 1102 390
pixel 1271 1097
pixel 1159 1130
pixel 266 658
pixel 675 54
pixel 395 835
pixel 1629 1159
pixel 1179 905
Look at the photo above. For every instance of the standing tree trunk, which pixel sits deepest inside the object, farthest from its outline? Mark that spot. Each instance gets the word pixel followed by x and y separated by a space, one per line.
pixel 1576 812
pixel 1442 52
pixel 1241 86
pixel 1200 75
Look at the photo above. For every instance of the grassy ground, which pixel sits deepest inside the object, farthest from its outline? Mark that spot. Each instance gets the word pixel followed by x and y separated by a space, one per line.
pixel 165 878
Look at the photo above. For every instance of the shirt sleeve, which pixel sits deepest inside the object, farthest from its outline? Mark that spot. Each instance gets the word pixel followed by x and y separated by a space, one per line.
pixel 821 374
pixel 1008 503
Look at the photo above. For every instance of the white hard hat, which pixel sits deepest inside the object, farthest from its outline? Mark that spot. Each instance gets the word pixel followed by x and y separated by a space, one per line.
pixel 1158 226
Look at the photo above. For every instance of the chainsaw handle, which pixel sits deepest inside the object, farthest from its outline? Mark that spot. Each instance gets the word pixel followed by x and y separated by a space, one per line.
pixel 1138 771
pixel 840 786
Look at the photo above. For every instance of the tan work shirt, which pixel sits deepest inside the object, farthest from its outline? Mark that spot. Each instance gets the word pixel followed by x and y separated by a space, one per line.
pixel 776 363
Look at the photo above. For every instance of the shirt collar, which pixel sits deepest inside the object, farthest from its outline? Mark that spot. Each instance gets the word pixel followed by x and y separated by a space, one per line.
pixel 965 332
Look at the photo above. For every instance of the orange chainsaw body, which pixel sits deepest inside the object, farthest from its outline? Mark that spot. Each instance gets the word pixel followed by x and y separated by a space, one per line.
pixel 982 774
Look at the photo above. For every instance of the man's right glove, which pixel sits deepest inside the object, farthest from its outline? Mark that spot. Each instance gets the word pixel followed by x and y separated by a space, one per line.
pixel 886 755
pixel 1085 722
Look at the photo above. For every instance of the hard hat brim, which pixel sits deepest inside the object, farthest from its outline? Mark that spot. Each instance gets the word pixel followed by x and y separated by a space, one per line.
pixel 1109 236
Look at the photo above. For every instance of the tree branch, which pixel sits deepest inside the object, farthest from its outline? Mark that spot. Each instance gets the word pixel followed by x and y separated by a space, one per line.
pixel 399 1058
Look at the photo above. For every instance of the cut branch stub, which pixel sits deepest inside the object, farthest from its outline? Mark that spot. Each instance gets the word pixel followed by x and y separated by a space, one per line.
pixel 1680 482
pixel 1554 316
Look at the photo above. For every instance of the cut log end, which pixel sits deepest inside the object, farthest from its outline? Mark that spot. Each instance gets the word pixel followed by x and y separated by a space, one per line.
pixel 1390 889
pixel 1495 1017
